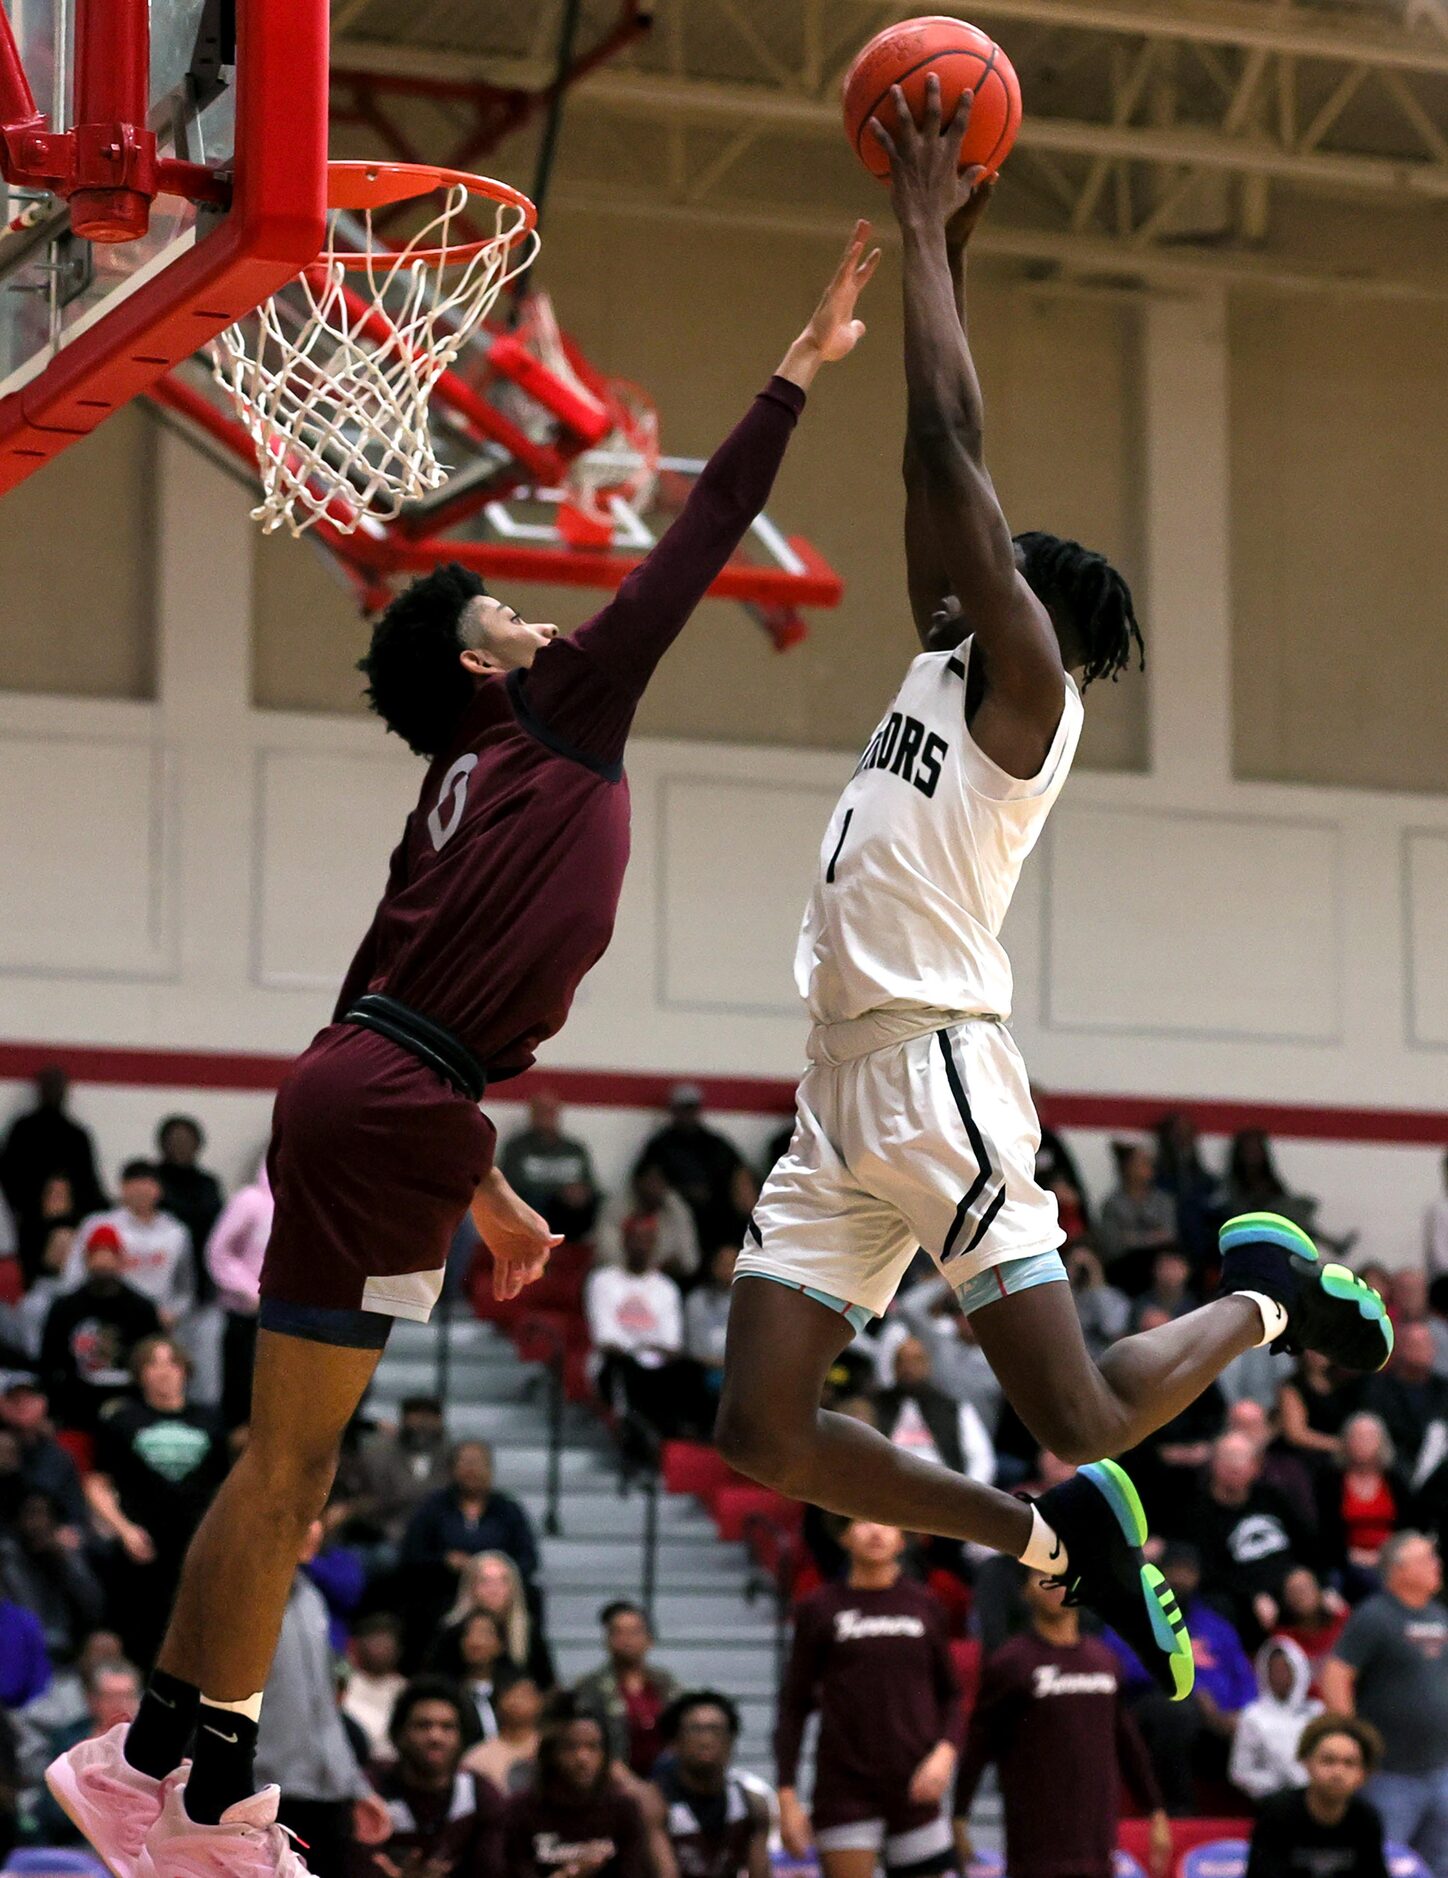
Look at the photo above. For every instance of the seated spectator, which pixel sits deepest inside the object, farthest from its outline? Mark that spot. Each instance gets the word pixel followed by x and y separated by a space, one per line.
pixel 1435 1231
pixel 508 1759
pixel 24 1666
pixel 1050 1715
pixel 1169 1290
pixel 302 1745
pixel 576 1819
pixel 112 1696
pixel 636 1324
pixel 446 1819
pixel 1105 1312
pixel 1137 1219
pixel 457 1522
pixel 188 1192
pixel 64 1703
pixel 473 1654
pixel 155 1249
pixel 1324 1826
pixel 649 1196
pixel 706 1319
pixel 627 1691
pixel 1311 1616
pixel 1252 1184
pixel 958 1365
pixel 234 1253
pixel 716 1826
pixel 550 1171
pixel 1361 1501
pixel 1264 1748
pixel 43 1146
pixel 1247 1535
pixel 914 1414
pixel 158 1463
pixel 85 1351
pixel 702 1166
pixel 1184 1177
pixel 1055 1163
pixel 1412 1400
pixel 1283 1467
pixel 1314 1403
pixel 492 1582
pixel 1167 1465
pixel 39 1570
pixel 1189 1739
pixel 44 1465
pixel 374 1680
pixel 394 1471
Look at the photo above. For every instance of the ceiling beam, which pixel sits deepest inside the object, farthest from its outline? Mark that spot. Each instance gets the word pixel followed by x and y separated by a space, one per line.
pixel 700 101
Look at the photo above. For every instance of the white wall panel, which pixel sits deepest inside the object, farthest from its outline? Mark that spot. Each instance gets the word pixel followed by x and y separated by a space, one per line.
pixel 84 846
pixel 1425 910
pixel 325 825
pixel 736 860
pixel 1193 925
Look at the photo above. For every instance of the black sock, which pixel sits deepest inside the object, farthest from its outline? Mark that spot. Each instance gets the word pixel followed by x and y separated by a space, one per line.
pixel 1260 1267
pixel 221 1764
pixel 157 1739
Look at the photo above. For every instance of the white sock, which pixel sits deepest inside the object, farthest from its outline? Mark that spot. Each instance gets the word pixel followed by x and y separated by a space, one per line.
pixel 1044 1551
pixel 250 1707
pixel 1274 1318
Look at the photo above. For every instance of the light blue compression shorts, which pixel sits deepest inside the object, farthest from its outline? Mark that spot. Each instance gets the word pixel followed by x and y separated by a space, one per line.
pixel 999 1281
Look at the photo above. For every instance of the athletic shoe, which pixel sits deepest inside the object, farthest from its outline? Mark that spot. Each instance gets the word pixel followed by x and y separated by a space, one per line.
pixel 109 1802
pixel 1098 1517
pixel 1329 1309
pixel 247 1844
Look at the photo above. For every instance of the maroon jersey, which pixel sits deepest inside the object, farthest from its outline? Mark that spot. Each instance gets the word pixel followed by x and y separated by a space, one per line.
pixel 457 1830
pixel 503 890
pixel 1051 1717
pixel 543 1836
pixel 877 1666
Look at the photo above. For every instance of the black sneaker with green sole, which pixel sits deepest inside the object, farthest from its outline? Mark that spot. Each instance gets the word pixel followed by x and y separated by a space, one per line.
pixel 1100 1521
pixel 1329 1309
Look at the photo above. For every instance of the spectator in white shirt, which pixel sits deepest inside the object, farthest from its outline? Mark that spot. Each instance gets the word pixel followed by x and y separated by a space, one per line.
pixel 636 1322
pixel 917 1415
pixel 155 1248
pixel 648 1195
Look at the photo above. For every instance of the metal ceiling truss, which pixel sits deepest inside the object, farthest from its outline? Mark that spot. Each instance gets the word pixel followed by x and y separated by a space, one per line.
pixel 1149 129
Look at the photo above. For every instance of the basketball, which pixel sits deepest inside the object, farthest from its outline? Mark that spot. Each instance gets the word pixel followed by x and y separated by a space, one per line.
pixel 963 58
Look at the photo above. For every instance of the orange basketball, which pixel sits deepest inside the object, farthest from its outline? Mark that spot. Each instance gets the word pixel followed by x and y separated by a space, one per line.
pixel 963 58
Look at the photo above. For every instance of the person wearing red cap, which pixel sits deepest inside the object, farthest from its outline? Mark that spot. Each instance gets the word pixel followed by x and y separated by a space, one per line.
pixel 155 1248
pixel 90 1333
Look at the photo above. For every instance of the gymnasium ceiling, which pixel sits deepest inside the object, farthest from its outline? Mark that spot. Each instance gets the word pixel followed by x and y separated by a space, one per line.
pixel 1293 143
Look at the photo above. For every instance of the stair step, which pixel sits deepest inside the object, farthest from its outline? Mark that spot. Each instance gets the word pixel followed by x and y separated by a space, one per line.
pixel 607 1515
pixel 573 1553
pixel 577 1626
pixel 749 1674
pixel 466 1382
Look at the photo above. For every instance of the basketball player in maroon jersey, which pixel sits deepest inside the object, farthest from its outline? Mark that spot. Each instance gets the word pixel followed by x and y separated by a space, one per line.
pixel 501 895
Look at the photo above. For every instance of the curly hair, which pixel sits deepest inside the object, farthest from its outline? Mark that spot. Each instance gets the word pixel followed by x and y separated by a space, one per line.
pixel 1094 598
pixel 416 683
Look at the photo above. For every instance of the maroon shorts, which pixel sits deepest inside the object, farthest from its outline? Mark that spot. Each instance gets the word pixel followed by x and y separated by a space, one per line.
pixel 374 1160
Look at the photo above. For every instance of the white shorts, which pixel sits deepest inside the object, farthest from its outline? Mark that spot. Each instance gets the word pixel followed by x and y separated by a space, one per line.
pixel 930 1142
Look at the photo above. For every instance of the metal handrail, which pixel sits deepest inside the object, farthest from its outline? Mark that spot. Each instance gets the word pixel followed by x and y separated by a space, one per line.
pixel 779 1581
pixel 553 1359
pixel 640 1462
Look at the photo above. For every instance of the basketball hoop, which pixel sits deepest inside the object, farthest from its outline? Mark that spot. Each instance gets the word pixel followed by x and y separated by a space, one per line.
pixel 332 376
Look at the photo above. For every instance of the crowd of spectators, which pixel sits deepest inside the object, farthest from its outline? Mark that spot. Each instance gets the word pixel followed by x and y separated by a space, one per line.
pixel 414 1719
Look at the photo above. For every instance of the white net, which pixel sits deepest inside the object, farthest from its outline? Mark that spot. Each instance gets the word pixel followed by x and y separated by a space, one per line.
pixel 332 376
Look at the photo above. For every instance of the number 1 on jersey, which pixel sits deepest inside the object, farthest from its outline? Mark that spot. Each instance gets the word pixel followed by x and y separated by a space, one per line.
pixel 844 830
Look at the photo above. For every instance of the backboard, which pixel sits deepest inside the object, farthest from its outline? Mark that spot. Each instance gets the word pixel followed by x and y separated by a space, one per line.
pixel 237 87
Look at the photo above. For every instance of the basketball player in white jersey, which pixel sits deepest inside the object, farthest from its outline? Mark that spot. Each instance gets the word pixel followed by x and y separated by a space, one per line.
pixel 915 1125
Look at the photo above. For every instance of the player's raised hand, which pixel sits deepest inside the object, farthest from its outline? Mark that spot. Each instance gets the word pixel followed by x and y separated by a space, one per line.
pixel 927 185
pixel 833 331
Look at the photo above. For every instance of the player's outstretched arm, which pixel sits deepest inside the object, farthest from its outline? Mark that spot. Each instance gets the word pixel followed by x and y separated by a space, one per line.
pixel 518 1238
pixel 946 419
pixel 630 635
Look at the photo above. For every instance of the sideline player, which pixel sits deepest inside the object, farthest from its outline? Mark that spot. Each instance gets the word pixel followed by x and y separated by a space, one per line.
pixel 915 1125
pixel 501 896
pixel 716 1826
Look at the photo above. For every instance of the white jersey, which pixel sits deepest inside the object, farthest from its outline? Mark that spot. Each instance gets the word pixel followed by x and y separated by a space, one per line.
pixel 921 858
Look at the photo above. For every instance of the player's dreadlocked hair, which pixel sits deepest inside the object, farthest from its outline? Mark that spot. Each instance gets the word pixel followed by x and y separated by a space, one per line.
pixel 1087 590
pixel 416 684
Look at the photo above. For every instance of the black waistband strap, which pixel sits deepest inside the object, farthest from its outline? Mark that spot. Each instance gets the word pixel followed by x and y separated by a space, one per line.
pixel 427 1041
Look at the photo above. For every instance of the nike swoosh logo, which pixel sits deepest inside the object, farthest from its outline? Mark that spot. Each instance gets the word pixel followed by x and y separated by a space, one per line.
pixel 1056 1552
pixel 233 1739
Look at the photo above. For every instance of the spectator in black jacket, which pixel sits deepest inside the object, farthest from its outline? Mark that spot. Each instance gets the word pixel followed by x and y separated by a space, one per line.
pixel 1247 1534
pixel 85 1353
pixel 187 1191
pixel 39 1570
pixel 700 1165
pixel 1324 1827
pixel 452 1526
pixel 1410 1397
pixel 42 1463
pixel 42 1143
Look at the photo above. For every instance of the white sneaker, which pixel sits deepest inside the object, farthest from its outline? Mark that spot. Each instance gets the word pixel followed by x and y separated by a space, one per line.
pixel 247 1844
pixel 109 1802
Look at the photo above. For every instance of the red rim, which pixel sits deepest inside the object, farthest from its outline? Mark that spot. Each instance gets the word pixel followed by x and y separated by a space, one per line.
pixel 361 186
